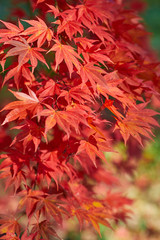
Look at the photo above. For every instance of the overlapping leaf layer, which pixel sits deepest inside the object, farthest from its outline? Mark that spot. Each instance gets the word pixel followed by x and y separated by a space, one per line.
pixel 77 79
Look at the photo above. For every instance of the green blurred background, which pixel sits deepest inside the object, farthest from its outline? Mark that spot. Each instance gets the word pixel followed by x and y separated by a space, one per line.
pixel 151 17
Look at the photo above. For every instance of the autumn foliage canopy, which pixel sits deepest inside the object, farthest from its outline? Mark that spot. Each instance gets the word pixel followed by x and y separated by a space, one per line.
pixel 82 77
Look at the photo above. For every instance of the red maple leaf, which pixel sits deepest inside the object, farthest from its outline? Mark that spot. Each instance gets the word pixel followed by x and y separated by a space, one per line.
pixel 69 24
pixel 66 53
pixel 30 132
pixel 93 74
pixel 39 31
pixel 138 121
pixel 19 73
pixel 8 224
pixel 44 229
pixel 11 31
pixel 25 53
pixel 67 120
pixel 19 109
pixel 91 148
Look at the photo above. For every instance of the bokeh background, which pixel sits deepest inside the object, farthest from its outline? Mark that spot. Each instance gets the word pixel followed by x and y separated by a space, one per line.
pixel 143 185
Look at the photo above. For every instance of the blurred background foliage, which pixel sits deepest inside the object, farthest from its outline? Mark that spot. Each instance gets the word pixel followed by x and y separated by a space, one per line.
pixel 151 16
pixel 144 184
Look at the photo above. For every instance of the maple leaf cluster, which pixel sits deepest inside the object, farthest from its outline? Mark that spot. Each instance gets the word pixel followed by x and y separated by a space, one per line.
pixel 77 80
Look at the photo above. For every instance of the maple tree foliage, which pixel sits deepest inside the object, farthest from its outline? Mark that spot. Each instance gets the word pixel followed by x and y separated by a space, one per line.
pixel 77 79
